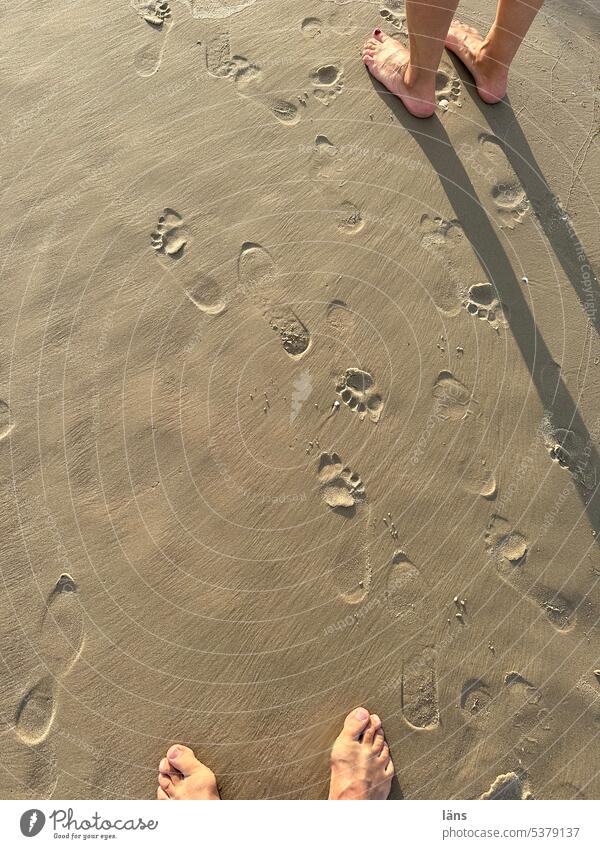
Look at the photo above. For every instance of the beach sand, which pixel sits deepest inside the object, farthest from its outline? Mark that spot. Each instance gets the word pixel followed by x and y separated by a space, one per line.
pixel 300 403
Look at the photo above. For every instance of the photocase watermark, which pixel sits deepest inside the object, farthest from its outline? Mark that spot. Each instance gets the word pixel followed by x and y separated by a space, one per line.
pixel 523 469
pixel 356 151
pixel 353 618
pixel 589 281
pixel 282 499
pixel 476 159
pixel 33 821
pixel 301 392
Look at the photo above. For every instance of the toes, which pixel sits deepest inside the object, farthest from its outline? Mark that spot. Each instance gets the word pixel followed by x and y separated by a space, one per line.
pixel 384 754
pixel 378 742
pixel 165 782
pixel 165 768
pixel 389 769
pixel 380 35
pixel 356 722
pixel 160 794
pixel 370 732
pixel 183 759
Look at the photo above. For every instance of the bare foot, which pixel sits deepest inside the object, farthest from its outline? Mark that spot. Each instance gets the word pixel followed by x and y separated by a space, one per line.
pixel 182 776
pixel 491 76
pixel 361 767
pixel 388 61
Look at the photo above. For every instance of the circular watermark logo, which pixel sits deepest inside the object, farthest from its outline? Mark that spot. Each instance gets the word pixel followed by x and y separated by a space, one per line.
pixel 32 822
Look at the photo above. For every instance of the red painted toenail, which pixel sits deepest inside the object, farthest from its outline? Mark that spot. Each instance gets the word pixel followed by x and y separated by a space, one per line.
pixel 377 32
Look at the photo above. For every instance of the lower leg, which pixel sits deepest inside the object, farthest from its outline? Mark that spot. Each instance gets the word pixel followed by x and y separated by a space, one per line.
pixel 427 22
pixel 513 19
pixel 489 58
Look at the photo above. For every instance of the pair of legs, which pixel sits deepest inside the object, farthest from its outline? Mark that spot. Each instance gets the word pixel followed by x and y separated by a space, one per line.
pixel 361 766
pixel 410 73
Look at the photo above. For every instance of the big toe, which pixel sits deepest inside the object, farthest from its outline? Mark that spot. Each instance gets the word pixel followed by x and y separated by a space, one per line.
pixel 380 35
pixel 356 722
pixel 183 759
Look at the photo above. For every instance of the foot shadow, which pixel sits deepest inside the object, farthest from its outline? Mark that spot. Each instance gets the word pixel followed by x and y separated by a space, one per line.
pixel 433 140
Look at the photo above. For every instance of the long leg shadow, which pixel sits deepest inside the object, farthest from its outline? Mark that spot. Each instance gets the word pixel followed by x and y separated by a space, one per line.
pixel 553 219
pixel 556 399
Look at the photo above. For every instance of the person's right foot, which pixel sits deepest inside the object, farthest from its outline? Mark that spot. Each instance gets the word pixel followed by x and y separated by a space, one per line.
pixel 491 77
pixel 361 766
pixel 182 776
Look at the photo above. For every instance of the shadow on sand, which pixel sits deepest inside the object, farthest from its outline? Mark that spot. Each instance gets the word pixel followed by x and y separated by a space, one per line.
pixel 437 147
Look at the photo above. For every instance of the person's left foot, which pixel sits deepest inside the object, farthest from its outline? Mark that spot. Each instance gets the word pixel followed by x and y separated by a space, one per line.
pixel 388 61
pixel 182 776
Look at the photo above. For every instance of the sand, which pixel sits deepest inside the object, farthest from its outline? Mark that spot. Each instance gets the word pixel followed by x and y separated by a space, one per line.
pixel 300 403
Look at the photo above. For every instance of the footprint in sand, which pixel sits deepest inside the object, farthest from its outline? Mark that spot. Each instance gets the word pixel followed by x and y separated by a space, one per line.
pixel 325 162
pixel 169 236
pixel 474 475
pixel 447 84
pixel 328 82
pixel 419 691
pixel 61 638
pixel 509 786
pixel 357 390
pixel 7 423
pixel 571 451
pixel 311 27
pixel 403 593
pixel 349 218
pixel 221 63
pixel 153 12
pixel 509 549
pixel 36 712
pixel 61 643
pixel 285 112
pixel 439 233
pixel 353 572
pixel 394 15
pixel 339 317
pixel 157 15
pixel 207 296
pixel 483 302
pixel 340 486
pixel 257 277
pixel 505 544
pixel 453 401
pixel 508 195
pixel 475 696
pixel 217 9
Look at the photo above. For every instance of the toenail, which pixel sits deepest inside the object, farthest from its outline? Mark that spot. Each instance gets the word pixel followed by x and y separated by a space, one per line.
pixel 361 714
pixel 376 719
pixel 377 32
pixel 174 752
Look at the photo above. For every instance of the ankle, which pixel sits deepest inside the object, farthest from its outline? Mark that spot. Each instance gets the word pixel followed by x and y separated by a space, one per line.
pixel 419 79
pixel 492 61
